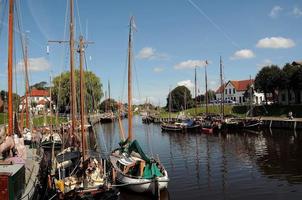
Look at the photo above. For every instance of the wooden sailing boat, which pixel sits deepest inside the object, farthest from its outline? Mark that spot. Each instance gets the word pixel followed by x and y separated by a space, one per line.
pixel 19 166
pixel 133 168
pixel 88 174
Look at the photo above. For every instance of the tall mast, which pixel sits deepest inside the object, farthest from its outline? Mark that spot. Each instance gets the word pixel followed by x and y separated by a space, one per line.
pixel 109 102
pixel 26 85
pixel 72 79
pixel 206 83
pixel 130 80
pixel 195 92
pixel 50 105
pixel 170 103
pixel 222 90
pixel 82 95
pixel 10 67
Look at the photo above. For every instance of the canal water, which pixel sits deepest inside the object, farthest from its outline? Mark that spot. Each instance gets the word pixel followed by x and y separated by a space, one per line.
pixel 236 165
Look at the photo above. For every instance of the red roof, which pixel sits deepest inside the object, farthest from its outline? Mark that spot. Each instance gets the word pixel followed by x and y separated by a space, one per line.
pixel 39 93
pixel 238 85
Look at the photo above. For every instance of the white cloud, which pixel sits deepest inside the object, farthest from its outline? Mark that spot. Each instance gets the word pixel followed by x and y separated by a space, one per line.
pixel 275 43
pixel 297 12
pixel 34 64
pixel 148 53
pixel 188 83
pixel 275 11
pixel 243 54
pixel 266 62
pixel 158 69
pixel 190 64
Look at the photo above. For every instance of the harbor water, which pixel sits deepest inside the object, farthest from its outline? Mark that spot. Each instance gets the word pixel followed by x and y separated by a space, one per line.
pixel 235 165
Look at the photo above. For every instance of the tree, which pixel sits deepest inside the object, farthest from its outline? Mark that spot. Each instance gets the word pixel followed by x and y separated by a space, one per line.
pixel 16 99
pixel 178 95
pixel 291 80
pixel 39 86
pixel 296 82
pixel 61 90
pixel 108 105
pixel 268 80
pixel 211 95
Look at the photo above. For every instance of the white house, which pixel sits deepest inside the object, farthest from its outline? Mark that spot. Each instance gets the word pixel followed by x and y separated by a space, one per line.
pixel 234 90
pixel 40 97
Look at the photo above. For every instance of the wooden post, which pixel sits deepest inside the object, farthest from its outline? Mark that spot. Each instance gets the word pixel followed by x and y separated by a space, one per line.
pixel 10 67
pixel 72 78
pixel 130 80
pixel 206 83
pixel 222 90
pixel 82 95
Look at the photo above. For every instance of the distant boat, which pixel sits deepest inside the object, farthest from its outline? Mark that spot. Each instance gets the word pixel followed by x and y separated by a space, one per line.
pixel 133 168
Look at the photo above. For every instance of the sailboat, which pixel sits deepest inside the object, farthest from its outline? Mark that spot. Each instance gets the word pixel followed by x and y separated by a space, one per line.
pixel 77 173
pixel 19 165
pixel 132 167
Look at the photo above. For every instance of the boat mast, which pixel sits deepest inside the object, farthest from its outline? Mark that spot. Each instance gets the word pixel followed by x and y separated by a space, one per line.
pixel 130 80
pixel 72 77
pixel 222 90
pixel 10 67
pixel 50 105
pixel 206 83
pixel 82 95
pixel 170 104
pixel 109 95
pixel 26 85
pixel 195 93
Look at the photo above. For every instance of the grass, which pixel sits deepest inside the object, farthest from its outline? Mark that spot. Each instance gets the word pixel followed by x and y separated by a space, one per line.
pixel 3 118
pixel 228 109
pixel 37 121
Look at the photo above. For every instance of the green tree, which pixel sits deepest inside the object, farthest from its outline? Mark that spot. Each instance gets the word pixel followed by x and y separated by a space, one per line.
pixel 296 81
pixel 108 105
pixel 16 100
pixel 40 86
pixel 180 96
pixel 291 80
pixel 61 90
pixel 268 80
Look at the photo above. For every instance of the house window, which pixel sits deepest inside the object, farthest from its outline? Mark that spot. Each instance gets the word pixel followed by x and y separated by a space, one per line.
pixel 230 91
pixel 226 91
pixel 234 98
pixel 234 91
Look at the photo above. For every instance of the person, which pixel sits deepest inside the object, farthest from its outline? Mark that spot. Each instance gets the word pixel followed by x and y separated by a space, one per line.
pixel 290 115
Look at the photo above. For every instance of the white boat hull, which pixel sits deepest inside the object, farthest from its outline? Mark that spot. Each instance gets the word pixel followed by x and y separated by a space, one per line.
pixel 142 185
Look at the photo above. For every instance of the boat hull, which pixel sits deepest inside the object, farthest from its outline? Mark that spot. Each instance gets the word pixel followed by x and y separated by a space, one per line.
pixel 142 185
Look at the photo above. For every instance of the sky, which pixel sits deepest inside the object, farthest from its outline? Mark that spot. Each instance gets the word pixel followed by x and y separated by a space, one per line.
pixel 172 38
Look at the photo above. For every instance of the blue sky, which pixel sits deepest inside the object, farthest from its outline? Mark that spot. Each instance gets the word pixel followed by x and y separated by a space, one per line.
pixel 172 37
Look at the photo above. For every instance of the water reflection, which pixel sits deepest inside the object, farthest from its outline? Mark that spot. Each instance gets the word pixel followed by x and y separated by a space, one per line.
pixel 223 166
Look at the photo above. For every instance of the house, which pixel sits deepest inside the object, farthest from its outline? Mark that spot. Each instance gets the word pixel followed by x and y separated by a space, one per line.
pixel 234 90
pixel 39 97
